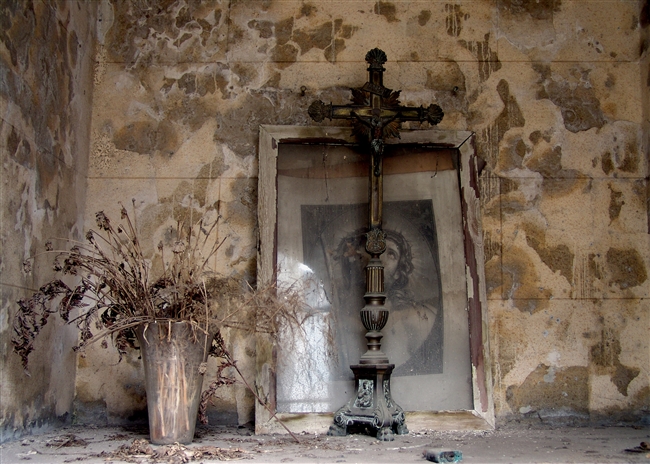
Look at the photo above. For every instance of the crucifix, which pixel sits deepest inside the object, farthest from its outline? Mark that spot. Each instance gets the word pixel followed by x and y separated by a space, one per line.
pixel 376 114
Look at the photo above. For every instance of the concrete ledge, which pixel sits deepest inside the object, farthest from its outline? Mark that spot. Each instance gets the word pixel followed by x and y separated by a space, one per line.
pixel 415 421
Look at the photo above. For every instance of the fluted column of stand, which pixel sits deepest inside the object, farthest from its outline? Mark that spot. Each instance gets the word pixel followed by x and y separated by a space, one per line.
pixel 374 315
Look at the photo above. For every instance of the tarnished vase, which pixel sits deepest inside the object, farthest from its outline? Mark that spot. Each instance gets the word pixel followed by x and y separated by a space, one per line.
pixel 172 353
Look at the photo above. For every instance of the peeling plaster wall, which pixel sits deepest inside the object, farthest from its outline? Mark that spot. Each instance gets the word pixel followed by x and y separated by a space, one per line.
pixel 556 91
pixel 565 212
pixel 645 97
pixel 46 63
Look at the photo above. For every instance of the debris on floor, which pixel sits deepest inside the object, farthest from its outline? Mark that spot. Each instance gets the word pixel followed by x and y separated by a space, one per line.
pixel 69 439
pixel 212 444
pixel 642 448
pixel 140 449
pixel 435 455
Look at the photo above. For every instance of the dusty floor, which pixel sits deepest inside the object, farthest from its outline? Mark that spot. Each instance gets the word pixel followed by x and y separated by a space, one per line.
pixel 514 443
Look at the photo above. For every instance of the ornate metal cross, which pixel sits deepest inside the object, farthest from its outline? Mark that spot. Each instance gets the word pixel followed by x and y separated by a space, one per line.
pixel 377 115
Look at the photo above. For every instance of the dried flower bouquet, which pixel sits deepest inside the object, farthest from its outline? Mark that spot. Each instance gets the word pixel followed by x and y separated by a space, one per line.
pixel 116 291
pixel 117 296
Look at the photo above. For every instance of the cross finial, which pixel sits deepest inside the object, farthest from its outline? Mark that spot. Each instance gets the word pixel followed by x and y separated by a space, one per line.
pixel 376 59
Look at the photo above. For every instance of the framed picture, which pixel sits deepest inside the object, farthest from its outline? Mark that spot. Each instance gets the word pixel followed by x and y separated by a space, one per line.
pixel 320 221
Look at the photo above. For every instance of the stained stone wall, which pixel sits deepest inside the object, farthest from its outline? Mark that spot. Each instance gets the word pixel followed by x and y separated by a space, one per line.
pixel 46 63
pixel 556 91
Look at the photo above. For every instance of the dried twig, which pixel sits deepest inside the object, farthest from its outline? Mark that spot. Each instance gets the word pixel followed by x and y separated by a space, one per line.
pixel 222 380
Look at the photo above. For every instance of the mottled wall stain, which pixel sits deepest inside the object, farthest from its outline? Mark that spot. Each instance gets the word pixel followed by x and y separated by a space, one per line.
pixel 265 28
pixel 509 347
pixel 511 154
pixel 20 149
pixel 17 22
pixel 238 127
pixel 144 33
pixel 549 388
pixel 537 135
pixel 624 156
pixel 493 190
pixel 45 93
pixel 595 269
pixel 576 99
pixel 283 30
pixel 556 180
pixel 387 10
pixel 616 202
pixel 454 19
pixel 307 10
pixel 424 17
pixel 557 258
pixel 447 77
pixel 511 116
pixel 180 107
pixel 488 61
pixel 604 356
pixel 284 55
pixel 491 246
pixel 290 42
pixel 494 276
pixel 40 104
pixel 243 210
pixel 519 282
pixel 511 203
pixel 530 26
pixel 626 268
pixel 319 37
pixel 147 137
pixel 536 9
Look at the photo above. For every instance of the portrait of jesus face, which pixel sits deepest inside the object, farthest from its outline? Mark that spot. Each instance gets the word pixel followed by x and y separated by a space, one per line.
pixel 397 261
pixel 390 260
pixel 413 334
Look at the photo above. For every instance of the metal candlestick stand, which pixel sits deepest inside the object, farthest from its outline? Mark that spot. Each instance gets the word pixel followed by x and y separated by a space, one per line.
pixel 377 114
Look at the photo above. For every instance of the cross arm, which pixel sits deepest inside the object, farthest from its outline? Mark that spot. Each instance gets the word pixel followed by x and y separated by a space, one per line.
pixel 319 111
pixel 433 114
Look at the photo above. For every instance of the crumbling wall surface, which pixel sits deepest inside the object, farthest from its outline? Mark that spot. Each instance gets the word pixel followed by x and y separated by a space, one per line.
pixel 46 67
pixel 565 211
pixel 551 89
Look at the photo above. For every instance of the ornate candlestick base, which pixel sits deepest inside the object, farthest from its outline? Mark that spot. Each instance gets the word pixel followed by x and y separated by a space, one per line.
pixel 372 405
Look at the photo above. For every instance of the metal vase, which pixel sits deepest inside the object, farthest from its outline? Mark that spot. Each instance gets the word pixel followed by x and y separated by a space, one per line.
pixel 172 353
